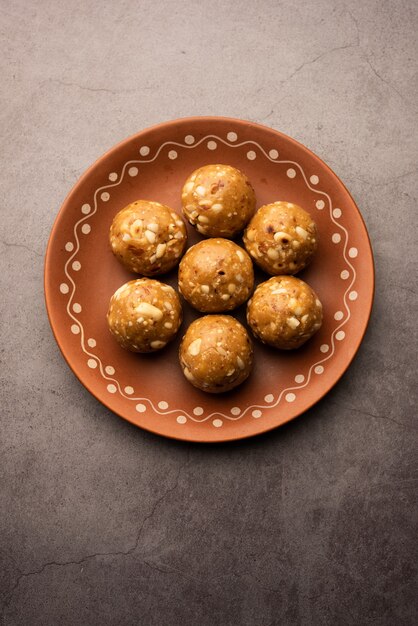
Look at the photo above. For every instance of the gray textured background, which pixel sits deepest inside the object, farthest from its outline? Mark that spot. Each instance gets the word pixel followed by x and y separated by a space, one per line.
pixel 102 523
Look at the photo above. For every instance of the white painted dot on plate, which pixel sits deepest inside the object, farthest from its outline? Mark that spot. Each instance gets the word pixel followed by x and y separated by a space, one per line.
pixel 217 423
pixel 86 208
pixel 352 253
pixel 105 196
pixel 291 173
pixel 76 266
pixel 345 274
pixel 64 288
pixel 353 295
pixel 129 390
pixel 273 154
pixel 340 335
pixel 85 229
pixel 109 370
pixel 189 139
pixel 69 246
pixel 113 176
pixel 76 307
pixel 338 315
pixel 231 136
pixel 141 408
pixel 337 213
pixel 133 171
pixel 182 419
pixel 112 388
pixel 290 397
pixel 144 150
pixel 163 405
pixel 212 145
pixel 269 398
pixel 251 155
pixel 75 329
pixel 256 413
pixel 314 179
pixel 319 369
pixel 91 343
pixel 336 238
pixel 320 204
pixel 299 378
pixel 235 410
pixel 172 155
pixel 198 410
pixel 92 363
pixel 324 348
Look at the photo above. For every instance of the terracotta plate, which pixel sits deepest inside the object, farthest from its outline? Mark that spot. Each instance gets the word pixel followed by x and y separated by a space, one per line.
pixel 149 390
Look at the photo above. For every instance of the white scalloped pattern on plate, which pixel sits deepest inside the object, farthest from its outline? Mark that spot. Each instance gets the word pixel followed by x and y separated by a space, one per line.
pixel 107 372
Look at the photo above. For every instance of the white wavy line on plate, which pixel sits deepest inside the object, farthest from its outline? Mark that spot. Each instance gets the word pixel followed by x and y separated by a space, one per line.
pixel 215 413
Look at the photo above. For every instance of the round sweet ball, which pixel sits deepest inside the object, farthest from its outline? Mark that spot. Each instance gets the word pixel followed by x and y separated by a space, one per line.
pixel 144 315
pixel 216 353
pixel 148 237
pixel 218 200
pixel 281 238
pixel 216 275
pixel 284 312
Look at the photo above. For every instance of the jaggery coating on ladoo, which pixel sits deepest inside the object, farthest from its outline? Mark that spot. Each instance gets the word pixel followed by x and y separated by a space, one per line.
pixel 216 353
pixel 148 237
pixel 281 238
pixel 144 315
pixel 284 312
pixel 216 275
pixel 218 200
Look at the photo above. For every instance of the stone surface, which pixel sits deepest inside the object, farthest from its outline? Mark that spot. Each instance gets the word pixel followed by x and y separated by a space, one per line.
pixel 101 523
